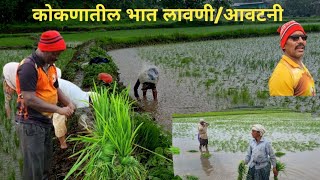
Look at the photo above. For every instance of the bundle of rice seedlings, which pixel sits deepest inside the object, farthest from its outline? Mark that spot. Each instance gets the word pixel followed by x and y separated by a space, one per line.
pixel 279 154
pixel 108 151
pixel 280 166
pixel 242 170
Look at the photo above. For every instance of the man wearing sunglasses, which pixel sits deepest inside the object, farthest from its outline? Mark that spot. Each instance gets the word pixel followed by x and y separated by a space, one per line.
pixel 291 77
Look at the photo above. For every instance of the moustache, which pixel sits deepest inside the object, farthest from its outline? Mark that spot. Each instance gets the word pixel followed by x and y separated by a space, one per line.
pixel 300 45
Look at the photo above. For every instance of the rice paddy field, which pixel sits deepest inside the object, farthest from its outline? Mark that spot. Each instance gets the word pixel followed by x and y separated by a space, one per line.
pixel 203 76
pixel 215 75
pixel 235 71
pixel 295 134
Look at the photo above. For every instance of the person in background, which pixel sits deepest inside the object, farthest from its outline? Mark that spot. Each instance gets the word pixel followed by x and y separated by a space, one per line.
pixel 9 72
pixel 202 135
pixel 291 77
pixel 81 100
pixel 38 91
pixel 149 78
pixel 259 155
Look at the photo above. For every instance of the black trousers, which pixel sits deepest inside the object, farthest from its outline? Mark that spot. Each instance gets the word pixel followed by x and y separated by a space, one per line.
pixel 36 148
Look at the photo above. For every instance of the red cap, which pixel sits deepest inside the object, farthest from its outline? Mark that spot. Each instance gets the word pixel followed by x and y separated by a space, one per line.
pixel 105 77
pixel 287 29
pixel 51 41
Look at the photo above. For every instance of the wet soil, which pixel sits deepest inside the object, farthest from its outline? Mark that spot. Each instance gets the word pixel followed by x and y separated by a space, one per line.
pixel 183 96
pixel 174 95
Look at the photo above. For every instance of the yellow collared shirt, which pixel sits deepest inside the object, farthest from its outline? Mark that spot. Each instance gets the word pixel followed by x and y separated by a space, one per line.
pixel 289 79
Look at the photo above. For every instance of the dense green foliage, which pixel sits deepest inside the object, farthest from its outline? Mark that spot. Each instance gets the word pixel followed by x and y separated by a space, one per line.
pixel 108 150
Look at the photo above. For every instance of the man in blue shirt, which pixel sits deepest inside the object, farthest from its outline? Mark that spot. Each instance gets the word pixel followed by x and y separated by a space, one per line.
pixel 259 155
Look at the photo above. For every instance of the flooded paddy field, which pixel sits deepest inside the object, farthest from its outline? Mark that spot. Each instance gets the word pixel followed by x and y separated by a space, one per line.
pixel 295 134
pixel 215 75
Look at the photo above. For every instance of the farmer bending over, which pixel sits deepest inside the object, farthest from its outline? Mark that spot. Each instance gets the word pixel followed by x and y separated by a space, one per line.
pixel 149 78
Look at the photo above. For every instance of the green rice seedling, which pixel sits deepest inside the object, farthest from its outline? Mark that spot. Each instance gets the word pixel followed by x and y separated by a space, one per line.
pixel 16 139
pixel 280 166
pixel 191 177
pixel 14 154
pixel 6 148
pixel 12 175
pixel 108 150
pixel 206 155
pixel 8 126
pixel 193 151
pixel 20 162
pixel 1 166
pixel 1 139
pixel 242 170
pixel 174 150
pixel 149 135
pixel 279 154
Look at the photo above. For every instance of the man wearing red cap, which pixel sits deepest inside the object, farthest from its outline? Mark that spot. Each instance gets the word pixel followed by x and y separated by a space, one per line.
pixel 291 77
pixel 38 93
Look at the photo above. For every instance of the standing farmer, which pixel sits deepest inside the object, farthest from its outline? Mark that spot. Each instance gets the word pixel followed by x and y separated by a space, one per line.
pixel 260 156
pixel 203 137
pixel 38 93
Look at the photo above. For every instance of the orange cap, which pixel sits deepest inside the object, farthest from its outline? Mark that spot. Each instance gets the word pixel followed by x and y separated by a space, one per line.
pixel 105 77
pixel 51 41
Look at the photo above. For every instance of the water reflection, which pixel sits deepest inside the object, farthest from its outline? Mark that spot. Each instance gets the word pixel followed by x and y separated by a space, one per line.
pixel 149 105
pixel 206 165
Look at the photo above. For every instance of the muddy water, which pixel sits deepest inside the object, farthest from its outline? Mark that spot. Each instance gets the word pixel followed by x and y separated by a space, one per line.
pixel 223 165
pixel 184 95
pixel 174 95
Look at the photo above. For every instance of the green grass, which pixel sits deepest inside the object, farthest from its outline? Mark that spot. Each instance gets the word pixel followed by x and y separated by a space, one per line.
pixel 233 112
pixel 190 33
